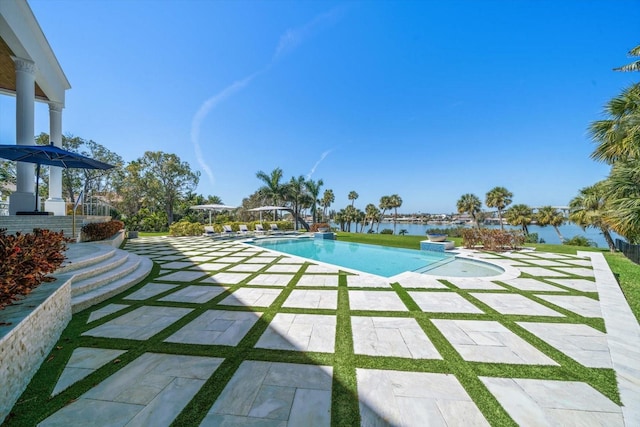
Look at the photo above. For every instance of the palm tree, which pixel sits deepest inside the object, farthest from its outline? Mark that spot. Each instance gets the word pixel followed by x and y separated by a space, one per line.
pixel 624 200
pixel 273 189
pixel 618 136
pixel 395 202
pixel 499 198
pixel 373 215
pixel 313 188
pixel 471 204
pixel 327 198
pixel 353 196
pixel 296 193
pixel 548 215
pixel 590 209
pixel 521 215
pixel 384 205
pixel 635 65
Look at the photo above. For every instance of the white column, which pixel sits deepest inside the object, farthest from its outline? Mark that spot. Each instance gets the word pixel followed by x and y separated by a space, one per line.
pixel 55 203
pixel 23 199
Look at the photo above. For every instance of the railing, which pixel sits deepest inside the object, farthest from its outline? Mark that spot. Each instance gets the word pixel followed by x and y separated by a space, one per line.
pixel 630 251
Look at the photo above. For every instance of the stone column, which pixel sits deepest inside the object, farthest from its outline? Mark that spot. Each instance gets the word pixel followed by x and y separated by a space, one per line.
pixel 23 199
pixel 55 203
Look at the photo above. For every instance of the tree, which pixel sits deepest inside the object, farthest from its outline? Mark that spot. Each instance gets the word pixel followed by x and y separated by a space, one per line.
pixel 471 204
pixel 385 203
pixel 7 176
pixel 623 194
pixel 353 196
pixel 521 215
pixel 499 198
pixel 313 188
pixel 634 66
pixel 395 202
pixel 548 215
pixel 372 214
pixel 590 209
pixel 295 192
pixel 327 198
pixel 273 189
pixel 168 179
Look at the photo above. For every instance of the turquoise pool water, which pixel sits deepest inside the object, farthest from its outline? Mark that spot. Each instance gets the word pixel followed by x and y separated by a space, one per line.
pixel 381 260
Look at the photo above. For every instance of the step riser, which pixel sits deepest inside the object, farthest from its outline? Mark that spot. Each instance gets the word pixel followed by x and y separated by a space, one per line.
pixel 97 269
pixel 102 279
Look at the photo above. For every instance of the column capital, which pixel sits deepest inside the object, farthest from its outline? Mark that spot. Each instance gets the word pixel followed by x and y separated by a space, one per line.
pixel 55 106
pixel 25 65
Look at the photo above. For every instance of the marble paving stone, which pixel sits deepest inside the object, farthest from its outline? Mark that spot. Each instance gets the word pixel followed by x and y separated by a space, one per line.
pixel 183 276
pixel 533 402
pixel 139 324
pixel 583 306
pixel 271 280
pixel 414 399
pixel 150 290
pixel 230 259
pixel 578 271
pixel 545 255
pixel 582 285
pixel 443 302
pixel 517 255
pixel 216 327
pixel 290 260
pixel 391 336
pixel 227 278
pixel 367 281
pixel 257 260
pixel 545 263
pixel 105 311
pixel 195 294
pixel 300 332
pixel 151 390
pixel 321 269
pixel 376 300
pixel 246 268
pixel 324 280
pixel 83 361
pixel 200 258
pixel 579 262
pixel 283 268
pixel 489 341
pixel 541 272
pixel 169 258
pixel 212 266
pixel 526 284
pixel 420 281
pixel 274 394
pixel 178 265
pixel 515 304
pixel 312 299
pixel 583 343
pixel 252 297
pixel 474 283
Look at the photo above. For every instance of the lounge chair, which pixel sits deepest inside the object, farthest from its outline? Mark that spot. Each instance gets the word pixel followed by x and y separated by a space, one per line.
pixel 244 230
pixel 227 230
pixel 275 229
pixel 259 229
pixel 209 231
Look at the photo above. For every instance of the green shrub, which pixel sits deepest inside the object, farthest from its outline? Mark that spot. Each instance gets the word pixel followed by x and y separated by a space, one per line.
pixel 186 228
pixel 492 239
pixel 101 230
pixel 531 238
pixel 386 231
pixel 318 225
pixel 26 260
pixel 578 241
pixel 450 231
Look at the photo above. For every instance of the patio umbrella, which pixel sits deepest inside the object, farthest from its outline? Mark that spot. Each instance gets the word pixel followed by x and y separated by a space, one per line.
pixel 213 207
pixel 49 155
pixel 269 208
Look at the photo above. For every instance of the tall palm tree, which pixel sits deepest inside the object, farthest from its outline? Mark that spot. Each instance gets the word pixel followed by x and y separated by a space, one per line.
pixel 471 204
pixel 499 198
pixel 548 215
pixel 590 209
pixel 384 205
pixel 272 189
pixel 624 200
pixel 353 196
pixel 373 215
pixel 313 187
pixel 327 198
pixel 521 215
pixel 395 202
pixel 296 194
pixel 635 65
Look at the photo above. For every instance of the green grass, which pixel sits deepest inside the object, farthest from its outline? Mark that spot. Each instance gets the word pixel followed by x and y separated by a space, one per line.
pixel 153 233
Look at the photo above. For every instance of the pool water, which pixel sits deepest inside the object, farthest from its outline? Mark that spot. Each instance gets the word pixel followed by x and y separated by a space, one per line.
pixel 380 260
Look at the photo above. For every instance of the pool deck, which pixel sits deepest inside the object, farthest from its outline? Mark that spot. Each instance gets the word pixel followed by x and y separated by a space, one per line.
pixel 230 334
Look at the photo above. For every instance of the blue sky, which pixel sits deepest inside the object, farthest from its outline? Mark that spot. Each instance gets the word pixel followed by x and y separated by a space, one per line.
pixel 428 100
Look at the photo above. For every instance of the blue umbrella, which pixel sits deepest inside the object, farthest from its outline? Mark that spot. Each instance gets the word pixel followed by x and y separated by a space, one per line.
pixel 49 155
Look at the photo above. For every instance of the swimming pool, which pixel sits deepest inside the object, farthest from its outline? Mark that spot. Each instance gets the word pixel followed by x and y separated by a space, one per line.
pixel 380 260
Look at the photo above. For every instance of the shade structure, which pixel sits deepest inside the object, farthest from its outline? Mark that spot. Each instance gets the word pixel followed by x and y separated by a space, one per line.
pixel 49 155
pixel 213 207
pixel 269 208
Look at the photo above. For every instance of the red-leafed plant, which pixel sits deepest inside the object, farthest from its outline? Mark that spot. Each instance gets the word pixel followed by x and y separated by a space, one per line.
pixel 101 230
pixel 492 239
pixel 318 225
pixel 25 261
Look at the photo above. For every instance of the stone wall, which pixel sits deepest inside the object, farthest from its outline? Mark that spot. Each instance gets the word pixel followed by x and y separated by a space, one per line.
pixel 28 332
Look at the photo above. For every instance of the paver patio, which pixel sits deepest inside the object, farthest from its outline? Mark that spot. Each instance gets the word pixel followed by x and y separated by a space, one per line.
pixel 243 336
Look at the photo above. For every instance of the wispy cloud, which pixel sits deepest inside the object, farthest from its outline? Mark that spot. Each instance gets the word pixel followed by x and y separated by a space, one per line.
pixel 289 41
pixel 322 157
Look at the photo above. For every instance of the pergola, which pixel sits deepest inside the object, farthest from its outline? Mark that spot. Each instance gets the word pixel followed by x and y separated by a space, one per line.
pixel 30 72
